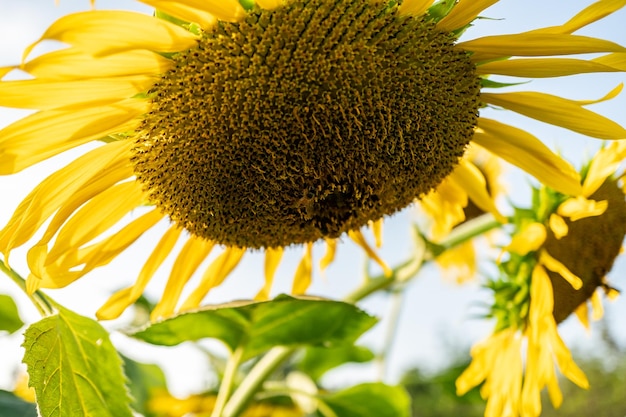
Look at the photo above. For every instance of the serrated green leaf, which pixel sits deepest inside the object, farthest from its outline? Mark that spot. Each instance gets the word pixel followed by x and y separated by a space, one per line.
pixel 316 361
pixel 144 381
pixel 370 400
pixel 259 326
pixel 10 320
pixel 13 406
pixel 74 368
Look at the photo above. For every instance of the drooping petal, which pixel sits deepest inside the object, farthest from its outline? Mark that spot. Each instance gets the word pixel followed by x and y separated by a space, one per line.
pixel 555 266
pixel 44 94
pixel 74 64
pixel 216 273
pixel 580 208
pixel 329 256
pixel 445 207
pixel 414 7
pixel 182 10
pixel 107 32
pixel 115 305
pixel 358 238
pixel 535 44
pixel 304 272
pixel 187 262
pixel 557 111
pixel 21 143
pixel 543 67
pixel 225 10
pixel 377 230
pixel 463 14
pixel 603 165
pixel 273 257
pixel 529 239
pixel 51 193
pixel 590 14
pixel 582 313
pixel 469 177
pixel 524 150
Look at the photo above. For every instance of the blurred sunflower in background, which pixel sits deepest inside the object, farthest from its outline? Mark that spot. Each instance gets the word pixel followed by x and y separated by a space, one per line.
pixel 555 265
pixel 260 125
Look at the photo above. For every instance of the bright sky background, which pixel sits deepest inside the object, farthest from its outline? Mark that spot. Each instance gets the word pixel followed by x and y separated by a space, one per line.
pixel 434 310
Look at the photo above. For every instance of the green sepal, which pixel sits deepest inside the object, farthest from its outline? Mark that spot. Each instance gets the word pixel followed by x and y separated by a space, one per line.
pixel 10 320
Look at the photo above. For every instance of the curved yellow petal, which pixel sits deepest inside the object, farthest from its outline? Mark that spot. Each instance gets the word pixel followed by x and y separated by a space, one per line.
pixel 558 226
pixel 272 260
pixel 580 208
pixel 21 143
pixel 224 10
pixel 543 67
pixel 182 10
pixel 582 313
pixel 217 272
pixel 187 262
pixel 96 217
pixel 329 256
pixel 414 7
pixel 105 32
pixel 463 14
pixel 358 238
pixel 616 60
pixel 74 64
pixel 524 150
pixel 469 177
pixel 590 14
pixel 528 239
pixel 377 230
pixel 445 207
pixel 304 272
pixel 270 4
pixel 557 111
pixel 535 44
pixel 555 266
pixel 115 305
pixel 603 165
pixel 45 94
pixel 55 190
pixel 566 363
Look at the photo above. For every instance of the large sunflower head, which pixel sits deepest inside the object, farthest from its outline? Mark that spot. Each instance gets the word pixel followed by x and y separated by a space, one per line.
pixel 271 123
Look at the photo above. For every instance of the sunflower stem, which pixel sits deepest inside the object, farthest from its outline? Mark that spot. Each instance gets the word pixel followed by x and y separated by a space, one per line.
pixel 39 300
pixel 226 387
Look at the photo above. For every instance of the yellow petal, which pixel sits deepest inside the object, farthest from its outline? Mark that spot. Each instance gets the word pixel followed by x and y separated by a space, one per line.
pixel 590 14
pixel 557 111
pixel 270 4
pixel 555 266
pixel 55 190
pixel 582 313
pixel 44 94
pixel 272 260
pixel 377 229
pixel 580 208
pixel 187 262
pixel 414 7
pixel 528 239
pixel 612 294
pixel 21 143
pixel 73 64
pixel 469 177
pixel 105 32
pixel 608 96
pixel 617 61
pixel 225 10
pixel 596 306
pixel 558 226
pixel 215 274
pixel 303 276
pixel 463 14
pixel 543 67
pixel 566 363
pixel 524 150
pixel 444 208
pixel 604 164
pixel 182 10
pixel 535 44
pixel 115 305
pixel 359 239
pixel 329 256
pixel 96 217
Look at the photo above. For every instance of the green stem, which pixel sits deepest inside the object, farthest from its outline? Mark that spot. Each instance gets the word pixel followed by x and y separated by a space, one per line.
pixel 37 298
pixel 400 275
pixel 232 366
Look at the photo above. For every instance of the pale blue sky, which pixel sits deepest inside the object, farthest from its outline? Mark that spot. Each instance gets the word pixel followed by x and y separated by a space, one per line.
pixel 433 308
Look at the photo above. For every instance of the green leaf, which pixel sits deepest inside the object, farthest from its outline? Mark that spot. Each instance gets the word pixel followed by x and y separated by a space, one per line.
pixel 259 326
pixel 13 406
pixel 316 361
pixel 487 83
pixel 370 400
pixel 9 317
pixel 74 368
pixel 144 381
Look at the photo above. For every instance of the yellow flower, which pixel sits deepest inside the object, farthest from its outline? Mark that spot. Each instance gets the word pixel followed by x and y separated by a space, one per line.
pixel 280 124
pixel 560 251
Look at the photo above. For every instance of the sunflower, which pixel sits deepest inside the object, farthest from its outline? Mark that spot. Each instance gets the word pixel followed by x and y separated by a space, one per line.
pixel 556 264
pixel 259 125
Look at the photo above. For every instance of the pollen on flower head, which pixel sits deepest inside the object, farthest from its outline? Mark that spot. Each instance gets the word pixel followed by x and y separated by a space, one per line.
pixel 305 121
